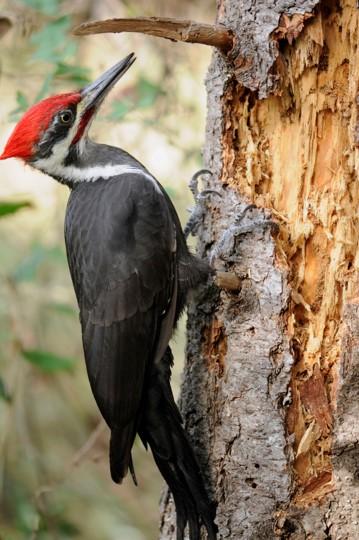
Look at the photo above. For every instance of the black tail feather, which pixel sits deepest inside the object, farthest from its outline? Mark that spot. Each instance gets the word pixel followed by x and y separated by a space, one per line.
pixel 120 452
pixel 132 471
pixel 161 428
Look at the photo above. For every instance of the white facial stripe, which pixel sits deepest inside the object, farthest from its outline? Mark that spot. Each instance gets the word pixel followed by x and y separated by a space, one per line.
pixel 91 174
pixel 60 149
pixel 53 165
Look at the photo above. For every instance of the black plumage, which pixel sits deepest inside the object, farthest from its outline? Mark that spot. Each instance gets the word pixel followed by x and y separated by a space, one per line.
pixel 131 271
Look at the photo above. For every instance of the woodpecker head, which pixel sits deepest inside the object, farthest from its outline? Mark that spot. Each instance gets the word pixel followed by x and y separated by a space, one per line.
pixel 57 126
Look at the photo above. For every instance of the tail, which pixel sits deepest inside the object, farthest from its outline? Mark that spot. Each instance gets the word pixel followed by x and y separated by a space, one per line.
pixel 120 452
pixel 162 429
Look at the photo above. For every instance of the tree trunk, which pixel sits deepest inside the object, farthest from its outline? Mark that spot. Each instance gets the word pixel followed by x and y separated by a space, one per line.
pixel 270 394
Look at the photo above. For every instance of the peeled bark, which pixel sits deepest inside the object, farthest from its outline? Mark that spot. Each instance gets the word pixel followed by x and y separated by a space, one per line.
pixel 271 386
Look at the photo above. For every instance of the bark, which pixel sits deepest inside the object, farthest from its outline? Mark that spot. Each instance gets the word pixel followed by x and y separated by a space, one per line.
pixel 271 385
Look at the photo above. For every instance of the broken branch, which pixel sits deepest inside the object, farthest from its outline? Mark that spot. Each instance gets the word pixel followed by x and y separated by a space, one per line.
pixel 5 25
pixel 228 281
pixel 215 35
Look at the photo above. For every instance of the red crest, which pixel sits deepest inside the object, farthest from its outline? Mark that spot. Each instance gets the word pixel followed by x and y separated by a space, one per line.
pixel 35 121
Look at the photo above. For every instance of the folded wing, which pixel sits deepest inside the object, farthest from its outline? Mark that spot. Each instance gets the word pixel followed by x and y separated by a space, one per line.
pixel 122 259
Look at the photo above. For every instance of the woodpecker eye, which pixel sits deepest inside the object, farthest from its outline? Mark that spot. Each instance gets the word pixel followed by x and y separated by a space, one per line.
pixel 66 117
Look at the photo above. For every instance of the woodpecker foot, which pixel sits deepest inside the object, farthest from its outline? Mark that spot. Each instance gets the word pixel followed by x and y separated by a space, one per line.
pixel 200 197
pixel 225 246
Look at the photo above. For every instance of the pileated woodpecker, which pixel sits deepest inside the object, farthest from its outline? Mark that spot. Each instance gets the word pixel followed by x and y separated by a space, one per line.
pixel 131 270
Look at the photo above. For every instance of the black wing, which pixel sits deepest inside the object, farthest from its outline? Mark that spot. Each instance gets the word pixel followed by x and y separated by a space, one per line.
pixel 120 242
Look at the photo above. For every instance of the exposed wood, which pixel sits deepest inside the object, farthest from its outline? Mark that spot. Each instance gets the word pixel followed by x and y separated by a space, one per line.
pixel 271 388
pixel 255 50
pixel 215 35
pixel 289 28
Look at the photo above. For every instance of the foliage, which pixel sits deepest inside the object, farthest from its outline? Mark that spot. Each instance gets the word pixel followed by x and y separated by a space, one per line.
pixel 49 7
pixel 4 393
pixel 8 207
pixel 32 519
pixel 47 361
pixel 22 105
pixel 145 95
pixel 54 46
pixel 28 266
pixel 52 42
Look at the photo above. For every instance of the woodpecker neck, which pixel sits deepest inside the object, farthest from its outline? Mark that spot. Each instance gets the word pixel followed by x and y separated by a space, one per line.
pixel 88 161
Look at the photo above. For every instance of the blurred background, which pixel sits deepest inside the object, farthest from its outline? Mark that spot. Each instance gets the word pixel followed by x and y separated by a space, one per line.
pixel 54 477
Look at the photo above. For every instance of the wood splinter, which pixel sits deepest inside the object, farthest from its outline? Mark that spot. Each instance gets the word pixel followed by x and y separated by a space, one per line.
pixel 228 281
pixel 215 35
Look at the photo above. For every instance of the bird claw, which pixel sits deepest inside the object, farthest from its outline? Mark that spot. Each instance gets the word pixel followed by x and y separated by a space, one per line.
pixel 200 197
pixel 193 183
pixel 225 246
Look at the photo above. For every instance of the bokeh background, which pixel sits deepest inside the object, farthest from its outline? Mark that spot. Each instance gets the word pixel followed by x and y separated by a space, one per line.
pixel 54 478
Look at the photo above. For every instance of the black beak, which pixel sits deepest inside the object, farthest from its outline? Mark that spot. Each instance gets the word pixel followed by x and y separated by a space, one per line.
pixel 95 93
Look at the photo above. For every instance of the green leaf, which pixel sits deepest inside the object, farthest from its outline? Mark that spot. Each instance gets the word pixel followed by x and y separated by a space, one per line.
pixel 68 529
pixel 45 88
pixel 49 7
pixel 28 267
pixel 21 100
pixel 47 361
pixel 4 394
pixel 120 109
pixel 27 517
pixel 172 192
pixel 7 207
pixel 77 74
pixel 52 42
pixel 148 93
pixel 63 309
pixel 22 106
